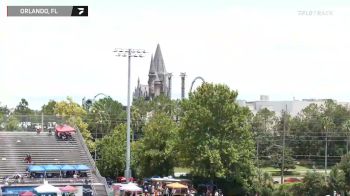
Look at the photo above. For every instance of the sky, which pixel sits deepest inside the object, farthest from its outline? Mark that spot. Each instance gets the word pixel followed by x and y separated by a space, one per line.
pixel 284 49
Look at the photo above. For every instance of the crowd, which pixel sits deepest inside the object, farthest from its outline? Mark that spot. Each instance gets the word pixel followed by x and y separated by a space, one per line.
pixel 64 135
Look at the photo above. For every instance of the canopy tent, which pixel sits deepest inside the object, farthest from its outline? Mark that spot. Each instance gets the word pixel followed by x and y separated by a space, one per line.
pixel 165 179
pixel 51 168
pixel 36 168
pixel 68 189
pixel 81 167
pixel 67 168
pixel 131 187
pixel 8 193
pixel 64 128
pixel 26 193
pixel 176 185
pixel 47 188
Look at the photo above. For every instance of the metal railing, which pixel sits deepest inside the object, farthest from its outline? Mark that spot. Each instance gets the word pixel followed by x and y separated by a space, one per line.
pixel 27 180
pixel 91 161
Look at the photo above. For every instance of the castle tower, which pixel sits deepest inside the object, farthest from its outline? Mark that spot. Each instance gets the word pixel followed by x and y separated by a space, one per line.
pixel 159 81
pixel 160 69
pixel 158 77
pixel 152 76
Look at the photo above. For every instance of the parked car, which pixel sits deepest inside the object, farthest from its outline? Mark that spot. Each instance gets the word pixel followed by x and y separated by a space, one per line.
pixel 121 179
pixel 292 179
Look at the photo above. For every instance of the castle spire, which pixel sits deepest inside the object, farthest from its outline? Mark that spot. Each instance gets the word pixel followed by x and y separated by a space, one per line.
pixel 158 61
pixel 152 68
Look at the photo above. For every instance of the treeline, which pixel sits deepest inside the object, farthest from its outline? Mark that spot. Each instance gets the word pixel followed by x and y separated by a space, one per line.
pixel 314 183
pixel 209 134
pixel 308 135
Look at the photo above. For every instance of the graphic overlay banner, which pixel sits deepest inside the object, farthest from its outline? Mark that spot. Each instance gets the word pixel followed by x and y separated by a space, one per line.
pixel 47 11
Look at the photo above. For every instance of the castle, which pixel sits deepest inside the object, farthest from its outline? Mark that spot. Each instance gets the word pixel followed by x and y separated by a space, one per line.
pixel 159 81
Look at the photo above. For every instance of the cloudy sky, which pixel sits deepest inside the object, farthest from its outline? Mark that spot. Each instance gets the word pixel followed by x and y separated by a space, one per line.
pixel 283 49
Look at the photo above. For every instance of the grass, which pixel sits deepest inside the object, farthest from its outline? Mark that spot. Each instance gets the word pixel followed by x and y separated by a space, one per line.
pixel 182 170
pixel 298 171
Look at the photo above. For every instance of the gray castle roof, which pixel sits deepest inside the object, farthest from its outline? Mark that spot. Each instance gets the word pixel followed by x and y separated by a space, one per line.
pixel 152 68
pixel 157 76
pixel 158 61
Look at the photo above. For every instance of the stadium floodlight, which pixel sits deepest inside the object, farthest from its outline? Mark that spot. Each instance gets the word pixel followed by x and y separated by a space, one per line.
pixel 128 53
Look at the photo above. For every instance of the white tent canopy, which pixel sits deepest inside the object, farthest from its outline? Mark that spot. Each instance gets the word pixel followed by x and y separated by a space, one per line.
pixel 47 188
pixel 131 187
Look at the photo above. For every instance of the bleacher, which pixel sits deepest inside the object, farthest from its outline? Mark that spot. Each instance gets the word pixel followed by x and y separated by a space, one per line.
pixel 44 149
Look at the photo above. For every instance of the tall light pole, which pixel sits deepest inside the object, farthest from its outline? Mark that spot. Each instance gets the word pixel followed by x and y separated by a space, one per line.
pixel 128 53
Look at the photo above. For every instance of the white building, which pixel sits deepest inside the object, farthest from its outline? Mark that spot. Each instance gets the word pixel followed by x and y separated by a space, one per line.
pixel 293 107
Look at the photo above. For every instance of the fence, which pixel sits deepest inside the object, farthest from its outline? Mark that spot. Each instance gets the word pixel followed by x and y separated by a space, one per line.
pixel 30 122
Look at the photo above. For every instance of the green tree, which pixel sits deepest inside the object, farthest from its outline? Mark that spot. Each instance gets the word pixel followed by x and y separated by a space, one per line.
pixel 73 113
pixel 310 130
pixel 337 180
pixel 263 183
pixel 49 108
pixel 104 115
pixel 4 110
pixel 264 121
pixel 337 115
pixel 263 126
pixel 23 108
pixel 156 150
pixel 307 130
pixel 344 165
pixel 346 128
pixel 290 189
pixel 142 109
pixel 111 150
pixel 315 184
pixel 276 158
pixel 12 123
pixel 216 137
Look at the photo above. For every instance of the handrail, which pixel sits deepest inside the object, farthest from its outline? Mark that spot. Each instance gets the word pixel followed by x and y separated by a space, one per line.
pixel 27 180
pixel 92 162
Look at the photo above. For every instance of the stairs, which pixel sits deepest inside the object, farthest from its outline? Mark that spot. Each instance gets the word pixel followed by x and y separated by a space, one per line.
pixel 100 186
pixel 100 190
pixel 45 149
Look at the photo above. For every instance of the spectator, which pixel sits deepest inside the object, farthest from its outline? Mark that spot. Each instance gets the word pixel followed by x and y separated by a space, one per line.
pixel 28 158
pixel 216 193
pixel 152 190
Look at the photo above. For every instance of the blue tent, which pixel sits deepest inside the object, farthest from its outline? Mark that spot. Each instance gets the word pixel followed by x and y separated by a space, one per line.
pixel 81 167
pixel 50 168
pixel 67 168
pixel 36 168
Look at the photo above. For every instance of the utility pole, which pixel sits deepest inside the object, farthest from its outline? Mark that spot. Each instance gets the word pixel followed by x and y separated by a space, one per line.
pixel 257 152
pixel 129 53
pixel 326 125
pixel 283 144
